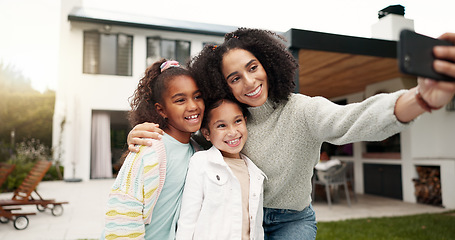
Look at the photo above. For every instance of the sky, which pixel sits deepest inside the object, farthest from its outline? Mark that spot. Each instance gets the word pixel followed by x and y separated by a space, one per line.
pixel 29 28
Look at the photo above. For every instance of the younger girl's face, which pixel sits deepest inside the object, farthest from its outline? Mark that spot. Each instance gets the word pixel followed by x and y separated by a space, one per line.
pixel 245 76
pixel 183 107
pixel 227 129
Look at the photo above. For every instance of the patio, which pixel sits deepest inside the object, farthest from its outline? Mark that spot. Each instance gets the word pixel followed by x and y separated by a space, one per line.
pixel 83 217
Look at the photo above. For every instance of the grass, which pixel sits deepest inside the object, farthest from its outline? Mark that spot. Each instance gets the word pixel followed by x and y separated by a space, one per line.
pixel 416 227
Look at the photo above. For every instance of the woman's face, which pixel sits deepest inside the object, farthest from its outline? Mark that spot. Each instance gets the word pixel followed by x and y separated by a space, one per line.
pixel 245 76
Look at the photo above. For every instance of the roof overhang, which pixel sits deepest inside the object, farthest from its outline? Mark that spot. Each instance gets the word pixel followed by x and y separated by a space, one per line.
pixel 87 15
pixel 335 65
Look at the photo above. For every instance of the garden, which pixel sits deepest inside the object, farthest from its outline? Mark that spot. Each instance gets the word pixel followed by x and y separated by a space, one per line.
pixel 25 127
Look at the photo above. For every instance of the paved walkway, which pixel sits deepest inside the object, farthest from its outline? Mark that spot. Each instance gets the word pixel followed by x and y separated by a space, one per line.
pixel 83 217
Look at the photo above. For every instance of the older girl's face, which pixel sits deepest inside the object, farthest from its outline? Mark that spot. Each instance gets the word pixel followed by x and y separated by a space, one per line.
pixel 183 108
pixel 245 76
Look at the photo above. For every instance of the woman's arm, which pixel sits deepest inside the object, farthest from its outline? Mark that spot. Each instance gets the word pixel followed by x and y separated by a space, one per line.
pixel 141 134
pixel 429 94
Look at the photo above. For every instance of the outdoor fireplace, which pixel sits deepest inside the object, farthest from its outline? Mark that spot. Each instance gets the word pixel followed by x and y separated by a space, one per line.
pixel 428 185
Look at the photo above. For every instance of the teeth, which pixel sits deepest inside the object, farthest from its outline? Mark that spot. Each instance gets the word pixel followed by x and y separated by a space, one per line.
pixel 255 91
pixel 193 116
pixel 233 141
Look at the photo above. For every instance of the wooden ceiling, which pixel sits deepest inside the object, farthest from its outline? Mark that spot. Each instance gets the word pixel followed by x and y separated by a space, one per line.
pixel 332 74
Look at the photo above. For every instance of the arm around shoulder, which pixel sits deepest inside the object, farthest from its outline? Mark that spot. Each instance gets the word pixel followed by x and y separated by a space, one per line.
pixel 141 134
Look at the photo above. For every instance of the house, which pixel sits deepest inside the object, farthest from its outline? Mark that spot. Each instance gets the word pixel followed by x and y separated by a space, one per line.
pixel 104 54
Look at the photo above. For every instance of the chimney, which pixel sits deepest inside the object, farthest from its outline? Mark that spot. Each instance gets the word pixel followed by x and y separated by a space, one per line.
pixel 391 22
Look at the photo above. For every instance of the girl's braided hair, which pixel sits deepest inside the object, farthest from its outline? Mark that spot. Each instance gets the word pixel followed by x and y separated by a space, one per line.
pixel 266 46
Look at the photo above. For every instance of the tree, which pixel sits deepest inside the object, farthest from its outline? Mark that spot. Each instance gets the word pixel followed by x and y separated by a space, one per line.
pixel 24 110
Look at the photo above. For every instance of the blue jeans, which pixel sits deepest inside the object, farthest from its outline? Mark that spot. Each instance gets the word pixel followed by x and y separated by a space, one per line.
pixel 284 224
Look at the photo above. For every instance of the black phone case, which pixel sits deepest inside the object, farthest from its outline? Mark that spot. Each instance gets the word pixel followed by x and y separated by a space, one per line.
pixel 415 55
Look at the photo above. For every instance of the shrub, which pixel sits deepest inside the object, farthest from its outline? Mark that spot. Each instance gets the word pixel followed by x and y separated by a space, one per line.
pixel 26 154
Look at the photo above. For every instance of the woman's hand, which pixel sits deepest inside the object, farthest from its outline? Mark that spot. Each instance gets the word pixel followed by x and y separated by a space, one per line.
pixel 141 133
pixel 434 94
pixel 447 53
pixel 439 93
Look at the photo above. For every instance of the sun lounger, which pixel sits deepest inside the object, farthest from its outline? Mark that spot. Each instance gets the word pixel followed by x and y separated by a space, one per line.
pixel 23 196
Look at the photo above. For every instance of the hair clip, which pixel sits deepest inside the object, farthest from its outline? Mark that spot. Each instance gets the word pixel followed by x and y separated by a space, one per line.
pixel 235 36
pixel 169 64
pixel 214 47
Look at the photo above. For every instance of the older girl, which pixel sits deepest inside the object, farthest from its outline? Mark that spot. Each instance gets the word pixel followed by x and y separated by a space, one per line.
pixel 145 199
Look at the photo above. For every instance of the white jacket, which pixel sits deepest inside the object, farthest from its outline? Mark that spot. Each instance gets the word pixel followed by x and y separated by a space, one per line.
pixel 212 202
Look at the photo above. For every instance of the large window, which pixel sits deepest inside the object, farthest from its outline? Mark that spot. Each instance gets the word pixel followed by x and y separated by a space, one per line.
pixel 158 48
pixel 109 54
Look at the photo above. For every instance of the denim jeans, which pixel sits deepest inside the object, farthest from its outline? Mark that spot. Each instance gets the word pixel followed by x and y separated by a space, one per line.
pixel 285 224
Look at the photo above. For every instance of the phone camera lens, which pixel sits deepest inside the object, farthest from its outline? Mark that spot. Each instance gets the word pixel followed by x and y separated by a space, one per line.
pixel 407 59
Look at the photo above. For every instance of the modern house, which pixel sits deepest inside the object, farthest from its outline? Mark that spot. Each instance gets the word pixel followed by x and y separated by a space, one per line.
pixel 104 54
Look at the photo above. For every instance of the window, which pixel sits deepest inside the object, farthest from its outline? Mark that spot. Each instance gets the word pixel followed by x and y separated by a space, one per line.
pixel 158 48
pixel 109 54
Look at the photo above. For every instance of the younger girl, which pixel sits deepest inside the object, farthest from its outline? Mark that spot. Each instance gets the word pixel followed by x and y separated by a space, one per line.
pixel 223 192
pixel 144 202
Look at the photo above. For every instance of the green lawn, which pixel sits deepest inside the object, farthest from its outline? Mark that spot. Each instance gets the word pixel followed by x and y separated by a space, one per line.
pixel 424 226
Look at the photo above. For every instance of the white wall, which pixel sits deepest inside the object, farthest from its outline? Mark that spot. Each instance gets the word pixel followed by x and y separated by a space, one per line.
pixel 390 26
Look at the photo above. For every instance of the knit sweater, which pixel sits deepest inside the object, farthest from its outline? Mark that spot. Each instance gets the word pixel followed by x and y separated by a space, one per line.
pixel 285 139
pixel 135 192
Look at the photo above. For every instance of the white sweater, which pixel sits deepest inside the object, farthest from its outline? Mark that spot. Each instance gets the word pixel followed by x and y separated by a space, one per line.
pixel 285 139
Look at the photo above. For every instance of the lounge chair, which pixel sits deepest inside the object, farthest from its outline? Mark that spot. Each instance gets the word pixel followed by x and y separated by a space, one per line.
pixel 23 196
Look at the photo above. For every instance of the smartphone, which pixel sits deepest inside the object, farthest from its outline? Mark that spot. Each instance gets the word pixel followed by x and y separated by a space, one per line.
pixel 415 55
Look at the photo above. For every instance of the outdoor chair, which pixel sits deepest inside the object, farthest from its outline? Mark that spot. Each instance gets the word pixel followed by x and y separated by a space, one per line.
pixel 332 178
pixel 23 196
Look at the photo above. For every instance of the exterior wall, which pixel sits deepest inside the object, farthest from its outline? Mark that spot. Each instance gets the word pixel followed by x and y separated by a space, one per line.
pixel 432 144
pixel 389 27
pixel 78 94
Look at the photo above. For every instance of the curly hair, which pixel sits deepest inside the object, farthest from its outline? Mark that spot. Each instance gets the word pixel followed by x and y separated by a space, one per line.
pixel 266 46
pixel 150 91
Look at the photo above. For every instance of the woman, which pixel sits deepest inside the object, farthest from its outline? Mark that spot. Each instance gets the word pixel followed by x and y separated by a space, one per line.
pixel 287 130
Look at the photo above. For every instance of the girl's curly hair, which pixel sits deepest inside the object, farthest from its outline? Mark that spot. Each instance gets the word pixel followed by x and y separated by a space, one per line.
pixel 150 91
pixel 266 46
